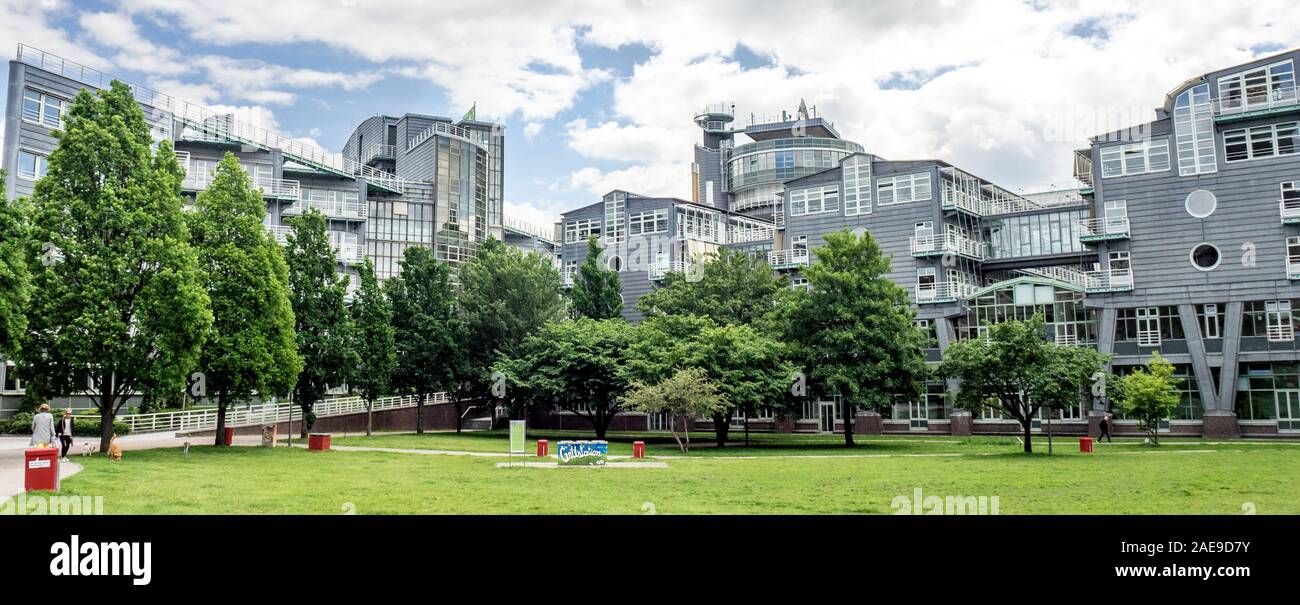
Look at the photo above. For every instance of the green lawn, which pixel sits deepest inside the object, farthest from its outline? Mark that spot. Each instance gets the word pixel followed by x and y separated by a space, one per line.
pixel 1120 479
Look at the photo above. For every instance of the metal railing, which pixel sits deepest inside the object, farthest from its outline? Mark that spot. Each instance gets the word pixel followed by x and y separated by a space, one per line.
pixel 281 233
pixel 1083 166
pixel 778 218
pixel 526 228
pixel 947 243
pixel 444 129
pixel 347 247
pixel 1290 209
pixel 787 258
pixel 1293 266
pixel 209 124
pixel 927 293
pixel 1065 274
pixel 749 234
pixel 1101 227
pixel 205 419
pixel 659 270
pixel 285 189
pixel 380 152
pixel 1108 279
pixel 1272 99
pixel 338 207
pixel 1281 332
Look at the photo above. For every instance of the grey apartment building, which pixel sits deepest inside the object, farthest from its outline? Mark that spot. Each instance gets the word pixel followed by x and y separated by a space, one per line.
pixel 401 181
pixel 1183 238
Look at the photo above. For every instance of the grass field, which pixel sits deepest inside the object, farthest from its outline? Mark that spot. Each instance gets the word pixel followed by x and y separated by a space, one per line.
pixel 803 474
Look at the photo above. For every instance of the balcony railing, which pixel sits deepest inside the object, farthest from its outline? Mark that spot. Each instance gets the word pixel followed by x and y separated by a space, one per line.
pixel 1281 332
pixel 942 293
pixel 786 259
pixel 1083 166
pixel 1065 274
pixel 659 270
pixel 746 235
pixel 347 247
pixel 949 243
pixel 1277 98
pixel 1293 266
pixel 281 233
pixel 1290 210
pixel 446 129
pixel 1108 280
pixel 956 199
pixel 336 206
pixel 282 189
pixel 778 218
pixel 1103 229
pixel 380 152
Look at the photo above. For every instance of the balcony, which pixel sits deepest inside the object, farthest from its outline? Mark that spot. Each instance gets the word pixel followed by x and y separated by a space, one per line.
pixel 1290 210
pixel 940 245
pixel 787 259
pixel 957 199
pixel 1103 229
pixel 1083 167
pixel 659 270
pixel 1258 104
pixel 778 218
pixel 347 247
pixel 379 152
pixel 281 233
pixel 744 235
pixel 1108 280
pixel 333 204
pixel 948 292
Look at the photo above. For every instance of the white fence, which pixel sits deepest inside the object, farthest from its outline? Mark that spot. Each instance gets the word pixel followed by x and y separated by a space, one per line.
pixel 205 419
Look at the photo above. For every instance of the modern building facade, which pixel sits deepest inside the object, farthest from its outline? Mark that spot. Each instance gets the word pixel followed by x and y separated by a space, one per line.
pixel 401 181
pixel 1183 239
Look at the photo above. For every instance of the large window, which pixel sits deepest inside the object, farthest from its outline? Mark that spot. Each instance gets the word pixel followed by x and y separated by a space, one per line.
pixel 1261 86
pixel 1261 387
pixel 40 108
pixel 580 230
pixel 649 221
pixel 1194 131
pixel 1271 318
pixel 1135 158
pixel 1148 326
pixel 857 185
pixel 1036 234
pixel 1068 321
pixel 1261 142
pixel 903 188
pixel 32 165
pixel 814 200
pixel 1189 404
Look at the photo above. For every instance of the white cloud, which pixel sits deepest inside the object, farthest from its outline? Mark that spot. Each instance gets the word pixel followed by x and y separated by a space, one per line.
pixel 532 129
pixel 118 31
pixel 541 214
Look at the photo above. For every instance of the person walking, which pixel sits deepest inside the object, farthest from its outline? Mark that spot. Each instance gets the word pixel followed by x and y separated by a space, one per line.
pixel 1104 427
pixel 42 427
pixel 64 431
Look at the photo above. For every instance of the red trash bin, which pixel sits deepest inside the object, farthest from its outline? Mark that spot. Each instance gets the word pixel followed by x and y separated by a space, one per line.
pixel 1085 445
pixel 41 469
pixel 542 448
pixel 638 449
pixel 230 435
pixel 318 441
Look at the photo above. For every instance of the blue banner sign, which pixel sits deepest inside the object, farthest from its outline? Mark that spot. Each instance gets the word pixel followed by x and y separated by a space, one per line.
pixel 582 453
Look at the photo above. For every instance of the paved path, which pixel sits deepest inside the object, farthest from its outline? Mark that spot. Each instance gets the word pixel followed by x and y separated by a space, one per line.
pixel 12 475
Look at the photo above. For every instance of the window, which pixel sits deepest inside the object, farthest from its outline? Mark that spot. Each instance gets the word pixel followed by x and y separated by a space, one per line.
pixel 1205 257
pixel 1280 325
pixel 649 221
pixel 32 166
pixel 581 230
pixel 815 200
pixel 857 185
pixel 902 189
pixel 1261 142
pixel 1211 320
pixel 1194 131
pixel 799 245
pixel 1201 203
pixel 570 269
pixel 1260 86
pixel 799 282
pixel 614 263
pixel 1149 326
pixel 40 108
pixel 1135 158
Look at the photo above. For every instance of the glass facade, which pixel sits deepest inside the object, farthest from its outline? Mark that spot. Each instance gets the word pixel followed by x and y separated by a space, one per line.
pixel 1035 234
pixel 1068 322
pixel 780 160
pixel 1263 388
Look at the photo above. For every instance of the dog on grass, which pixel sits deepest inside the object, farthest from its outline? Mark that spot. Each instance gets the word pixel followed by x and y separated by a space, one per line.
pixel 87 449
pixel 114 450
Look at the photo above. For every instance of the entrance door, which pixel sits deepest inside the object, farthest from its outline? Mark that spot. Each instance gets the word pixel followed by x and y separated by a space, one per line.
pixel 1288 410
pixel 919 414
pixel 826 419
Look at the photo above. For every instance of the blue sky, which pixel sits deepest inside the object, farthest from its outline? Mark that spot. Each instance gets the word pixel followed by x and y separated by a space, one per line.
pixel 599 95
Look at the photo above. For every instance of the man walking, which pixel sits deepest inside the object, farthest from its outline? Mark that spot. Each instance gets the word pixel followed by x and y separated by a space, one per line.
pixel 42 427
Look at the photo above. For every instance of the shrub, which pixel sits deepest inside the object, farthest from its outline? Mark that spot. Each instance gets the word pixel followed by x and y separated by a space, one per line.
pixel 21 424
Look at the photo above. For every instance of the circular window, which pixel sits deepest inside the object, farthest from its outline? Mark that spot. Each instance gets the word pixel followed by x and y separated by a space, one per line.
pixel 1201 203
pixel 1205 257
pixel 614 263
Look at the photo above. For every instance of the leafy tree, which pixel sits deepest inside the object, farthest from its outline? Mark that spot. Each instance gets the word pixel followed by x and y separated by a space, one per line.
pixel 733 288
pixel 323 324
pixel 122 309
pixel 15 279
pixel 597 292
pixel 372 318
pixel 1150 394
pixel 747 367
pixel 424 325
pixel 578 365
pixel 505 296
pixel 1017 371
pixel 251 346
pixel 854 329
pixel 686 394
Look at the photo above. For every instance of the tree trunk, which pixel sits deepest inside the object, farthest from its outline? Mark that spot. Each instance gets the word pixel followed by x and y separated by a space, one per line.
pixel 1049 433
pixel 848 423
pixel 721 426
pixel 370 405
pixel 221 419
pixel 1027 424
pixel 419 415
pixel 105 421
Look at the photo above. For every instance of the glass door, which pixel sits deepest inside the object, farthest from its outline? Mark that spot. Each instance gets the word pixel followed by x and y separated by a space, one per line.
pixel 826 420
pixel 919 414
pixel 1288 410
